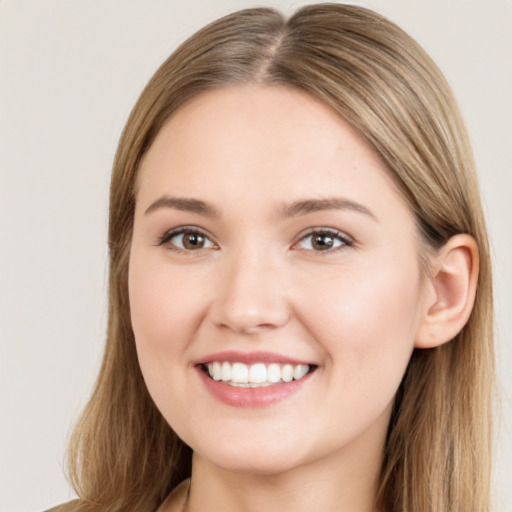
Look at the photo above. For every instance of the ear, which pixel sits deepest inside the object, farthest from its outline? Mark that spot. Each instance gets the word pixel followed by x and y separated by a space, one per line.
pixel 451 292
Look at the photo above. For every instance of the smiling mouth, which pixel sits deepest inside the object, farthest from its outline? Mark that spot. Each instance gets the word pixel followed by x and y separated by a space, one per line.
pixel 255 375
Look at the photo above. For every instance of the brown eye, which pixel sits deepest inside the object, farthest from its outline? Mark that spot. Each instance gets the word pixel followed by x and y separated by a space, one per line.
pixel 193 241
pixel 323 241
pixel 187 240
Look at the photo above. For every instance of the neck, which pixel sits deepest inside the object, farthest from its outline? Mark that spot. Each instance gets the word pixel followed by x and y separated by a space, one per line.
pixel 299 492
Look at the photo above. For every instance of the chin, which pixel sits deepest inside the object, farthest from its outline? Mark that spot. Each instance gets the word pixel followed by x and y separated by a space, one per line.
pixel 256 460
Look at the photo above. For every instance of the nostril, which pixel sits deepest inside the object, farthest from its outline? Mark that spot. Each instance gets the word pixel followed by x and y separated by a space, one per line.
pixel 250 296
pixel 250 322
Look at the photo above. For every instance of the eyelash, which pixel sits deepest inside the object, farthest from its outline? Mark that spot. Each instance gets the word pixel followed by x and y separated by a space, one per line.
pixel 335 234
pixel 344 239
pixel 169 235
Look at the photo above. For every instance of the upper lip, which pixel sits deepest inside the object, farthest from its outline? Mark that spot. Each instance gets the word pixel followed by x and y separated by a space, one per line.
pixel 233 356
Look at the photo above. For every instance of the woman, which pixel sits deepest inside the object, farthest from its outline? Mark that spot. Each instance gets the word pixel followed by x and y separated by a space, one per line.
pixel 300 286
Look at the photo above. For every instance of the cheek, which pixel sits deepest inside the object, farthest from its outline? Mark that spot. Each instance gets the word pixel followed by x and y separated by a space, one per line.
pixel 164 305
pixel 366 320
pixel 165 311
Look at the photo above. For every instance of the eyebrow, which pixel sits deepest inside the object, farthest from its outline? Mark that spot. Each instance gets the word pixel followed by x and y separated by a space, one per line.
pixel 185 205
pixel 295 209
pixel 304 207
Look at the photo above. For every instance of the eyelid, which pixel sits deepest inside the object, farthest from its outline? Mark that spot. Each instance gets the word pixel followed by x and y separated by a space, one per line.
pixel 347 240
pixel 171 233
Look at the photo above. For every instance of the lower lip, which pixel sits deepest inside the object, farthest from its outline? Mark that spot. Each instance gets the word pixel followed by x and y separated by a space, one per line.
pixel 251 397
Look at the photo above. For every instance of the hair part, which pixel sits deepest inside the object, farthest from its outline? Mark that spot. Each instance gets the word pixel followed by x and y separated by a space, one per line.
pixel 123 455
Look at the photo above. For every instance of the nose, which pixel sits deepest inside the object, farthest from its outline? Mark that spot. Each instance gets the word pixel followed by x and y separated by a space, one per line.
pixel 251 297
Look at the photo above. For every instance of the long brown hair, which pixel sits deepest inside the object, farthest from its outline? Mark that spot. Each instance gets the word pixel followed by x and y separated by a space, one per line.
pixel 123 455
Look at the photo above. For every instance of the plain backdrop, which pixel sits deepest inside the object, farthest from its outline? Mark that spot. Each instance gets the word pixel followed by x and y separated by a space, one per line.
pixel 70 72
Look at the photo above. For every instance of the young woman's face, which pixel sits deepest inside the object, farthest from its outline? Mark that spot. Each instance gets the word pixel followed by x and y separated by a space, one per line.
pixel 274 282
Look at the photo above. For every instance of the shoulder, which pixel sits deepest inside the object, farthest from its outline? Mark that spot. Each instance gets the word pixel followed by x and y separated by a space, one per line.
pixel 70 506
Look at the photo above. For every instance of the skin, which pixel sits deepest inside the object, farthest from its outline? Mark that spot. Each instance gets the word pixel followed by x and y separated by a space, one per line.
pixel 258 284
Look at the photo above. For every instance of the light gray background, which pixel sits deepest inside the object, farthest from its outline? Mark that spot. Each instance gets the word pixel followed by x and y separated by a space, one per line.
pixel 69 73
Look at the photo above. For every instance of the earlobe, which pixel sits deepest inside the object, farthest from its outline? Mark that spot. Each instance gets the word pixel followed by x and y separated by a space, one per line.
pixel 453 283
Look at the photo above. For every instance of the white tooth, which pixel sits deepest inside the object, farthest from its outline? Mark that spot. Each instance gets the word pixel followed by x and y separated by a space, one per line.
pixel 273 373
pixel 257 373
pixel 300 371
pixel 226 371
pixel 287 373
pixel 210 369
pixel 217 371
pixel 240 373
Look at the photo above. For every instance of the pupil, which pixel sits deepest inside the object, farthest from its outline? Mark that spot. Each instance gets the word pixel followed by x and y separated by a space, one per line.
pixel 193 241
pixel 322 242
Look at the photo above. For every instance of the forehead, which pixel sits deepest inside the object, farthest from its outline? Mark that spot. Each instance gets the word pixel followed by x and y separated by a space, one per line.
pixel 273 142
